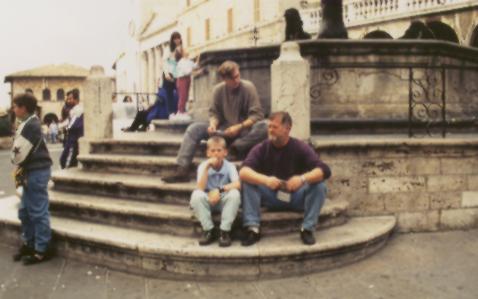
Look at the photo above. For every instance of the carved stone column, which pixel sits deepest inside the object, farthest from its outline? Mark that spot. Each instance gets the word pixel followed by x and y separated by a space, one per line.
pixel 97 103
pixel 332 23
pixel 290 75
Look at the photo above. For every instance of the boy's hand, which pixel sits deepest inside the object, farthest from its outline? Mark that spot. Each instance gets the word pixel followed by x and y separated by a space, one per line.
pixel 214 196
pixel 213 162
pixel 211 129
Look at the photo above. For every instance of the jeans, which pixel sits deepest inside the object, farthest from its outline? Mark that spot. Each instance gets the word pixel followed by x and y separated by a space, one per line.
pixel 228 206
pixel 308 199
pixel 33 212
pixel 198 131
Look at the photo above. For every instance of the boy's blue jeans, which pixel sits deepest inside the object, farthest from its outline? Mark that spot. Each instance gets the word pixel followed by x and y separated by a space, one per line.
pixel 33 211
pixel 228 206
pixel 308 199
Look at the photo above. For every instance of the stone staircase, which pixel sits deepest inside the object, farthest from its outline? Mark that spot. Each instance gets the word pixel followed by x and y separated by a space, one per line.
pixel 116 211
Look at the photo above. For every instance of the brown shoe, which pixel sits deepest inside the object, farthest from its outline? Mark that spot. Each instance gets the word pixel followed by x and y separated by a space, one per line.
pixel 180 176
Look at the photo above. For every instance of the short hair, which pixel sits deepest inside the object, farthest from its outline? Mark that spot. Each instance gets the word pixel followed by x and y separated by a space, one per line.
pixel 216 140
pixel 284 117
pixel 26 100
pixel 227 68
pixel 75 93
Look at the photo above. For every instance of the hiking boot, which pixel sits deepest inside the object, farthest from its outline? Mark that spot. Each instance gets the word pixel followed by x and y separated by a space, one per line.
pixel 23 251
pixel 225 239
pixel 207 237
pixel 307 237
pixel 180 176
pixel 251 238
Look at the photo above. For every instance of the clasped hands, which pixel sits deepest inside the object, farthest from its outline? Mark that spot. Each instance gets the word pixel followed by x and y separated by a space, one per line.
pixel 291 185
pixel 230 132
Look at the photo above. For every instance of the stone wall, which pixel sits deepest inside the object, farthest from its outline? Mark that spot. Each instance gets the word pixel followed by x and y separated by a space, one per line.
pixel 362 80
pixel 430 184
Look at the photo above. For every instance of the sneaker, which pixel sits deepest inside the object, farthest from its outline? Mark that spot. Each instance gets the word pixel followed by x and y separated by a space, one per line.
pixel 225 239
pixel 307 237
pixel 23 251
pixel 207 237
pixel 250 238
pixel 181 175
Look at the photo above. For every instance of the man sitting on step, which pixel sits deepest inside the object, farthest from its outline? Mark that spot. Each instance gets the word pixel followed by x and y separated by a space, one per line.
pixel 217 190
pixel 282 173
pixel 235 113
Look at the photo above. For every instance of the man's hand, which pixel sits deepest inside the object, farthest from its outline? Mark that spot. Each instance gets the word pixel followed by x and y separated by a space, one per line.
pixel 214 196
pixel 233 131
pixel 273 183
pixel 168 77
pixel 294 183
pixel 211 129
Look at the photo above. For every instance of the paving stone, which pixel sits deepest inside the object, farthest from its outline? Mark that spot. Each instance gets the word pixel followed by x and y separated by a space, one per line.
pixel 81 281
pixel 35 281
pixel 172 289
pixel 127 286
pixel 223 290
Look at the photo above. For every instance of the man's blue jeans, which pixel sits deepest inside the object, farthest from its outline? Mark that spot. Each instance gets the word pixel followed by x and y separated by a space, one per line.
pixel 308 199
pixel 33 211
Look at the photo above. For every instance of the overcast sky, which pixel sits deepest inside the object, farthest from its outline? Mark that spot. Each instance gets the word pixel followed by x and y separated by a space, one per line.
pixel 38 32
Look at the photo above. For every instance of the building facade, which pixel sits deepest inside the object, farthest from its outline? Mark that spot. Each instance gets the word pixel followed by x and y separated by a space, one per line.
pixel 221 24
pixel 49 84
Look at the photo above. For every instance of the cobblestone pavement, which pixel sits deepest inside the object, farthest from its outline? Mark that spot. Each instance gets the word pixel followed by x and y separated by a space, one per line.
pixel 426 265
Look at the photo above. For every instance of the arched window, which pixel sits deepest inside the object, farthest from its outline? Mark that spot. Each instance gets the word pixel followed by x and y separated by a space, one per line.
pixel 46 94
pixel 29 90
pixel 443 31
pixel 377 34
pixel 60 94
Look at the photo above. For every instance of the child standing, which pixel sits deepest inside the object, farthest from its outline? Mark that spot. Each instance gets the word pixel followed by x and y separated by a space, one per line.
pixel 30 153
pixel 217 190
pixel 184 69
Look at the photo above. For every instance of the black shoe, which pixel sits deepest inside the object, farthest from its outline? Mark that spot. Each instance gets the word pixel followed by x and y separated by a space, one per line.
pixel 207 237
pixel 307 237
pixel 225 239
pixel 36 258
pixel 181 175
pixel 250 238
pixel 23 251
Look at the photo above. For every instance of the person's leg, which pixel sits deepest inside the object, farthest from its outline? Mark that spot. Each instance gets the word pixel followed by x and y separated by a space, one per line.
pixel 181 89
pixel 310 199
pixel 194 134
pixel 202 210
pixel 170 86
pixel 27 229
pixel 36 200
pixel 64 155
pixel 257 134
pixel 230 203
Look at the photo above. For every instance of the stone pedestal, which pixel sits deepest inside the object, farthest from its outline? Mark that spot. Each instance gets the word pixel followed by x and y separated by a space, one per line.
pixel 290 86
pixel 98 121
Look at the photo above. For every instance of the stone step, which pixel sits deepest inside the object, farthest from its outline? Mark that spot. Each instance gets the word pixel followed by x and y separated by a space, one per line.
pixel 174 219
pixel 162 255
pixel 139 187
pixel 134 164
pixel 171 126
pixel 141 144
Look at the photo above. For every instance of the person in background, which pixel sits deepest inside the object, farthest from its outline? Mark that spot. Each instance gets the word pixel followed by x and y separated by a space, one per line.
pixel 184 69
pixel 74 131
pixel 170 72
pixel 30 154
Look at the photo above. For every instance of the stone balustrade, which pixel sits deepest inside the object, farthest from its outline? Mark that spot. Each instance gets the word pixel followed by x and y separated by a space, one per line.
pixel 361 12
